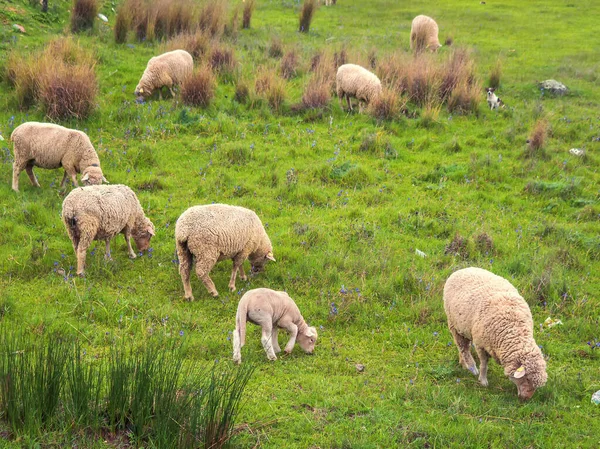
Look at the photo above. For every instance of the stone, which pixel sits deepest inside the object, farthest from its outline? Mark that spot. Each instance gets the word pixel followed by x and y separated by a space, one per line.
pixel 553 87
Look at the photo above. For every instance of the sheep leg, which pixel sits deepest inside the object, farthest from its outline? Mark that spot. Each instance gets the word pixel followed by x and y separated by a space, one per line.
pixel 73 176
pixel 64 180
pixel 243 276
pixel 274 341
pixel 464 352
pixel 203 267
pixel 349 102
pixel 293 330
pixel 237 347
pixel 82 248
pixel 238 260
pixel 18 167
pixel 483 365
pixel 185 267
pixel 267 332
pixel 32 178
pixel 172 92
pixel 107 255
pixel 127 234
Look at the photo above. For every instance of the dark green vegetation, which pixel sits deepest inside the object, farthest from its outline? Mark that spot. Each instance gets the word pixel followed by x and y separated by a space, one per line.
pixel 347 199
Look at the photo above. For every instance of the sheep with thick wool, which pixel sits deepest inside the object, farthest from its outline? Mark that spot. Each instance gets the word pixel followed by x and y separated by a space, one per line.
pixel 47 145
pixel 215 232
pixel 100 213
pixel 169 69
pixel 355 81
pixel 487 310
pixel 424 34
pixel 271 310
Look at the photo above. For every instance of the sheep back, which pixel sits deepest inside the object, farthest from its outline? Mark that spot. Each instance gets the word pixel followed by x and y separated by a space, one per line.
pixel 53 146
pixel 170 68
pixel 424 34
pixel 103 210
pixel 356 81
pixel 230 229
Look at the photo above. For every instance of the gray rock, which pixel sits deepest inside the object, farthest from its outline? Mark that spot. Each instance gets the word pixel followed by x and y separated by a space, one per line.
pixel 554 87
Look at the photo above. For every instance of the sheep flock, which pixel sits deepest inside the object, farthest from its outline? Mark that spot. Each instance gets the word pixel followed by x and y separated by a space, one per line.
pixel 485 312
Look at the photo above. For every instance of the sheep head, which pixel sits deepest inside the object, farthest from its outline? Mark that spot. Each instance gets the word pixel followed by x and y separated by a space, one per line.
pixel 142 90
pixel 307 340
pixel 92 175
pixel 529 376
pixel 142 234
pixel 259 259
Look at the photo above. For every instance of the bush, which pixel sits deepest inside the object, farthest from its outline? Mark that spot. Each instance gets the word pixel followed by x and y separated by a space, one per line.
pixel 317 93
pixel 495 75
pixel 83 15
pixel 537 138
pixel 196 44
pixel 385 106
pixel 199 89
pixel 122 24
pixel 289 64
pixel 249 6
pixel 306 15
pixel 276 48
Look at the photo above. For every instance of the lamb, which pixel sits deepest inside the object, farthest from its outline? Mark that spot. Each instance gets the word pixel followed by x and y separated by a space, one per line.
pixel 102 212
pixel 424 34
pixel 487 310
pixel 355 81
pixel 494 102
pixel 271 310
pixel 47 145
pixel 169 69
pixel 217 232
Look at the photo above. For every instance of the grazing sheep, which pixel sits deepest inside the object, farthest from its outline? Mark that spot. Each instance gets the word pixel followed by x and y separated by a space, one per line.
pixel 100 213
pixel 494 102
pixel 355 81
pixel 169 69
pixel 424 34
pixel 271 310
pixel 217 232
pixel 47 145
pixel 487 310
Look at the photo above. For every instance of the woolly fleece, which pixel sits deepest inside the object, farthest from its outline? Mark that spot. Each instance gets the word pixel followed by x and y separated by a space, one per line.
pixel 424 34
pixel 169 69
pixel 355 81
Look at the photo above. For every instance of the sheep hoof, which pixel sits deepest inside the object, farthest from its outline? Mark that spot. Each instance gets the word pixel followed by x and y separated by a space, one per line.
pixel 189 298
pixel 474 370
pixel 272 357
pixel 237 361
pixel 244 278
pixel 132 256
pixel 232 288
pixel 214 294
pixel 483 382
pixel 81 274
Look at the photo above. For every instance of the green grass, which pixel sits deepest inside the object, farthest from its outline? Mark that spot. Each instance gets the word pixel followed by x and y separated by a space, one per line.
pixel 346 201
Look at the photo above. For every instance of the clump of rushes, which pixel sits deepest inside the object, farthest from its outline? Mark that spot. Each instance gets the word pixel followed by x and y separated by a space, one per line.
pixel 537 138
pixel 249 6
pixel 83 15
pixel 289 64
pixel 306 15
pixel 199 88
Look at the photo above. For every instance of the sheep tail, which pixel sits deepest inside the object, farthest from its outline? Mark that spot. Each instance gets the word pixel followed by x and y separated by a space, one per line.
pixel 240 323
pixel 184 255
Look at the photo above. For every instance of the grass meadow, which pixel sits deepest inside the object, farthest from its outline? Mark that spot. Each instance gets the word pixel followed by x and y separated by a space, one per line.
pixel 347 200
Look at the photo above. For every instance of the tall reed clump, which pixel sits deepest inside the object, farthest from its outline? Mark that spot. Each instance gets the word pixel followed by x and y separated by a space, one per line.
pixel 223 62
pixel 289 64
pixel 271 87
pixel 122 25
pixel 495 75
pixel 196 44
pixel 537 138
pixel 199 88
pixel 306 15
pixel 386 105
pixel 317 93
pixel 61 78
pixel 151 392
pixel 249 7
pixel 83 15
pixel 213 17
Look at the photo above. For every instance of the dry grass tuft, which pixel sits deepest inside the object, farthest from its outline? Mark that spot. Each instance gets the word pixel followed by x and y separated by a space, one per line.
pixel 212 17
pixel 83 15
pixel 386 105
pixel 122 25
pixel 306 15
pixel 196 44
pixel 276 47
pixel 537 138
pixel 242 92
pixel 289 64
pixel 222 60
pixel 495 75
pixel 249 7
pixel 199 89
pixel 317 93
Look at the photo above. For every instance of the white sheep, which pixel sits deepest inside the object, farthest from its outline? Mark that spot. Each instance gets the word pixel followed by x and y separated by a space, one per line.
pixel 355 81
pixel 271 310
pixel 169 69
pixel 487 310
pixel 100 213
pixel 424 34
pixel 47 145
pixel 217 232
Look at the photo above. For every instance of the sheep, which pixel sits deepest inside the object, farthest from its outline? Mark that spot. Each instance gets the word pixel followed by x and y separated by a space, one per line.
pixel 355 81
pixel 487 310
pixel 271 310
pixel 47 145
pixel 215 232
pixel 494 102
pixel 169 69
pixel 424 34
pixel 100 213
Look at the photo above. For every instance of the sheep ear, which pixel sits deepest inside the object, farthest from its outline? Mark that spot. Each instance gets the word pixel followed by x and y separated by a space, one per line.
pixel 85 177
pixel 151 231
pixel 270 256
pixel 141 90
pixel 520 372
pixel 105 180
pixel 311 332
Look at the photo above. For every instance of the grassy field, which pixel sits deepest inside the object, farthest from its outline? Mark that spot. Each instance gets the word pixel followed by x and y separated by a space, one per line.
pixel 346 200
